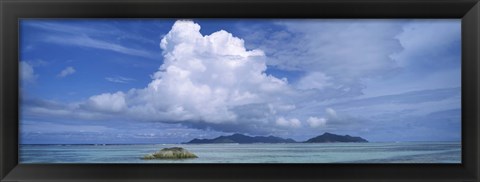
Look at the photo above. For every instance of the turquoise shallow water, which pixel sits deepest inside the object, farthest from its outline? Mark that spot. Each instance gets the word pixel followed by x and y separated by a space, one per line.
pixel 413 152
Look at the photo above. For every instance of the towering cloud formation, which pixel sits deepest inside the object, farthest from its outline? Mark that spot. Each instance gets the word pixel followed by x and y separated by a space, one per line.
pixel 210 79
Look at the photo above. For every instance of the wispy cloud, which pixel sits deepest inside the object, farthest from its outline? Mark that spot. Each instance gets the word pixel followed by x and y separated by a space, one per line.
pixel 96 30
pixel 86 41
pixel 119 79
pixel 57 27
pixel 89 37
pixel 67 71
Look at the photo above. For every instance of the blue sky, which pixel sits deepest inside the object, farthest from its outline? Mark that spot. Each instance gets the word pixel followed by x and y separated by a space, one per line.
pixel 169 81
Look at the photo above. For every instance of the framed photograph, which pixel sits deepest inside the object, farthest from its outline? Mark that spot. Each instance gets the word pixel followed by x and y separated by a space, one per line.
pixel 239 90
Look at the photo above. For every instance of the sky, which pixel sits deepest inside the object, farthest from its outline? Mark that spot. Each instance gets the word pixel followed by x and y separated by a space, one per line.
pixel 111 81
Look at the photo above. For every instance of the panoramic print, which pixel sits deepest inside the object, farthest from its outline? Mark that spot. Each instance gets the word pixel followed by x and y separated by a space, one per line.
pixel 240 91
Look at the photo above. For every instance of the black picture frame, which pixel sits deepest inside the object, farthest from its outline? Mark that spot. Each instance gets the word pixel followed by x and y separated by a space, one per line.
pixel 12 10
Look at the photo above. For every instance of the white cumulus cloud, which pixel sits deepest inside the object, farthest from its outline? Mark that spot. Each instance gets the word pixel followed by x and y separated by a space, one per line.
pixel 331 113
pixel 67 71
pixel 315 122
pixel 204 80
pixel 108 102
pixel 293 122
pixel 27 73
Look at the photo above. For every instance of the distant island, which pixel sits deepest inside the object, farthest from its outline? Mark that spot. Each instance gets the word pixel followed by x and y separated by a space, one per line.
pixel 330 138
pixel 244 139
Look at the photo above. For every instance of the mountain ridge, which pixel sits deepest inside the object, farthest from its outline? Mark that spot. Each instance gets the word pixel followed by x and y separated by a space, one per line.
pixel 332 138
pixel 244 139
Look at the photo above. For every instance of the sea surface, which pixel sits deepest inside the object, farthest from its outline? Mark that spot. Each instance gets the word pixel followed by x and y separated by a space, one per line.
pixel 407 152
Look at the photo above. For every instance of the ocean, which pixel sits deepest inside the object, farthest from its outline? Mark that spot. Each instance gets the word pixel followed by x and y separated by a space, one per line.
pixel 403 152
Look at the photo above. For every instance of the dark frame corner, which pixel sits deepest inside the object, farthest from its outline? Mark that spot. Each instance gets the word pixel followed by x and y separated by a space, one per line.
pixel 467 10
